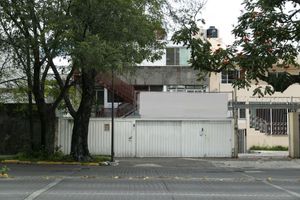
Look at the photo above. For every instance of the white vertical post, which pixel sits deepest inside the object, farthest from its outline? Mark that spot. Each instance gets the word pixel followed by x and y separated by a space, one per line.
pixel 294 136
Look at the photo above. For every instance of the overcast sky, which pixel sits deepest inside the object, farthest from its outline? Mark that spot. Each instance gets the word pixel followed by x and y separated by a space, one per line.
pixel 222 14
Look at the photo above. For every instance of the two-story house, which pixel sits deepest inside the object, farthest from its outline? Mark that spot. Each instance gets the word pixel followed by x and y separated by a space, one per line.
pixel 262 121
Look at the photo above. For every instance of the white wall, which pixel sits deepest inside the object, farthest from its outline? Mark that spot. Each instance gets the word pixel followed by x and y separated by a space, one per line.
pixel 154 138
pixel 183 105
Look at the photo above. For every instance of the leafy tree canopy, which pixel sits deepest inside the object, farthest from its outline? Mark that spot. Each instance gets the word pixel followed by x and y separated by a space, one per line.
pixel 115 33
pixel 267 36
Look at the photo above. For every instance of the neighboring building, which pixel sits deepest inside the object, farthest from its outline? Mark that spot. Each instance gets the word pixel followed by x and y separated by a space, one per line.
pixel 264 120
pixel 170 74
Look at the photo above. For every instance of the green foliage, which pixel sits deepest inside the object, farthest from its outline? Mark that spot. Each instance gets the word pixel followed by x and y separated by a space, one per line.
pixel 33 155
pixel 43 156
pixel 34 33
pixel 56 156
pixel 267 36
pixel 4 170
pixel 100 158
pixel 40 155
pixel 268 148
pixel 115 33
pixel 52 91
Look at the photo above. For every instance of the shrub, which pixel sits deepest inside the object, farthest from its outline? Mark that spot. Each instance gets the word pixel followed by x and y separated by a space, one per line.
pixel 269 148
pixel 4 170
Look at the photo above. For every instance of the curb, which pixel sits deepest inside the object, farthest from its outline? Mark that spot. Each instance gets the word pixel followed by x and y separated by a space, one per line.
pixel 50 163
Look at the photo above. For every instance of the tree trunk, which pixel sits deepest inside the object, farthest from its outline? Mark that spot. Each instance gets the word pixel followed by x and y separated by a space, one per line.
pixel 30 119
pixel 47 123
pixel 46 116
pixel 79 144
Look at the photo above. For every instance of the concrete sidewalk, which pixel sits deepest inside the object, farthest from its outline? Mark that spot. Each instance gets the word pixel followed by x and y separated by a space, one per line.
pixel 261 160
pixel 263 154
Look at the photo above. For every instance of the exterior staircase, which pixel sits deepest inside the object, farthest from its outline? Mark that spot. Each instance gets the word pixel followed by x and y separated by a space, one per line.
pixel 264 123
pixel 123 90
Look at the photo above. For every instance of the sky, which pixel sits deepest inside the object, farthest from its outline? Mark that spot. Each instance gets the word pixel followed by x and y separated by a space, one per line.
pixel 222 14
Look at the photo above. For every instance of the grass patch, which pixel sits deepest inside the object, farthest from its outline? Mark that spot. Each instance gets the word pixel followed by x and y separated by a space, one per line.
pixel 57 156
pixel 100 158
pixel 270 148
pixel 9 157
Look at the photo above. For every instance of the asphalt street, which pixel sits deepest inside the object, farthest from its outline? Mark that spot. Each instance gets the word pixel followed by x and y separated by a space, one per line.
pixel 157 178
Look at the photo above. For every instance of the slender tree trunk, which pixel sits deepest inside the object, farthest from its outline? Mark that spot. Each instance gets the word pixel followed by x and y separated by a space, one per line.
pixel 30 100
pixel 30 120
pixel 43 122
pixel 79 144
pixel 47 123
pixel 46 116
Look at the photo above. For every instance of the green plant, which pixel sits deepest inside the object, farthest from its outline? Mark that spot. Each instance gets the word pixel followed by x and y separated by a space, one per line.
pixel 58 155
pixel 100 158
pixel 4 170
pixel 269 148
pixel 33 155
pixel 2 158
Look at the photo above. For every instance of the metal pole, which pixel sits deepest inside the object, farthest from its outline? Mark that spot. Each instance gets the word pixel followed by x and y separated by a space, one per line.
pixel 112 115
pixel 271 120
pixel 235 113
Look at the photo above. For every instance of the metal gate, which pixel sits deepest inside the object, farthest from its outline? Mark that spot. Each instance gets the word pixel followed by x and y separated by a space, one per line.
pixel 242 137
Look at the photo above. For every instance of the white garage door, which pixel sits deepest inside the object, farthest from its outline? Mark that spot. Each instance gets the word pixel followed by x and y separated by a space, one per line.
pixel 183 138
pixel 158 138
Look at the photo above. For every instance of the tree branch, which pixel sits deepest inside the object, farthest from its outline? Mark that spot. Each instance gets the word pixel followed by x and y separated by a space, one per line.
pixel 13 80
pixel 63 89
pixel 44 76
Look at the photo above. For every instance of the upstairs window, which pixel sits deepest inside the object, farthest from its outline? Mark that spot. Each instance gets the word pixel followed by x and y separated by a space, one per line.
pixel 229 76
pixel 172 56
pixel 187 88
pixel 177 56
pixel 242 111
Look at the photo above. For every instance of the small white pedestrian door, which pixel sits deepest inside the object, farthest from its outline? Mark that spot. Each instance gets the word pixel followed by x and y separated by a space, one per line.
pixel 124 138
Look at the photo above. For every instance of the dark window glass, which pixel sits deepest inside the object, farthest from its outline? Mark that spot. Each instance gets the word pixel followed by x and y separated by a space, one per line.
pixel 172 56
pixel 100 97
pixel 176 51
pixel 230 75
pixel 109 98
pixel 141 87
pixel 157 88
pixel 224 77
pixel 242 113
